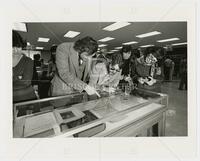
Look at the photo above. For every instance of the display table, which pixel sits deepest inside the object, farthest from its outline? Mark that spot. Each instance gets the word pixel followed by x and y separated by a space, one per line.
pixel 115 115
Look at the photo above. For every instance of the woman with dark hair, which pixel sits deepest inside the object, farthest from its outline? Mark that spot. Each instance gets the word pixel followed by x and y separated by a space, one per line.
pixel 73 62
pixel 128 65
pixel 22 72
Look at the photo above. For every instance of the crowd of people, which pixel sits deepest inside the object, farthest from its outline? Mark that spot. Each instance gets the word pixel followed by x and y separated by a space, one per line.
pixel 78 66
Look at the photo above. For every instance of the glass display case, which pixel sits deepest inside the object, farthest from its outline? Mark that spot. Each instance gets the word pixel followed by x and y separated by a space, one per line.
pixel 80 115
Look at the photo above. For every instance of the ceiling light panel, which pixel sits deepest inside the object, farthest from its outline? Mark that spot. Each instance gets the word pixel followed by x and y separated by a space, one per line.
pixel 102 45
pixel 19 26
pixel 153 33
pixel 145 46
pixel 71 34
pixel 129 43
pixel 167 40
pixel 39 48
pixel 113 50
pixel 116 26
pixel 183 43
pixel 106 39
pixel 42 39
pixel 120 47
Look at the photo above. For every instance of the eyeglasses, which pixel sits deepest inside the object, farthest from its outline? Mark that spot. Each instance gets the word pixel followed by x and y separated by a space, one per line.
pixel 113 69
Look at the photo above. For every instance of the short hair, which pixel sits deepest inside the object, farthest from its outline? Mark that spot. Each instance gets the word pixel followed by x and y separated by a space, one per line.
pixel 126 48
pixel 53 48
pixel 85 44
pixel 17 40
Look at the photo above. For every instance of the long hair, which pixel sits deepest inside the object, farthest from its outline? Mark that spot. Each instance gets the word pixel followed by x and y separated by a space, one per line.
pixel 117 59
pixel 126 49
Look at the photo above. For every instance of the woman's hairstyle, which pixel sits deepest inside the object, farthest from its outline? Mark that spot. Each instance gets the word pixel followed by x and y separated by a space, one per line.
pixel 117 59
pixel 17 40
pixel 136 53
pixel 126 49
pixel 86 44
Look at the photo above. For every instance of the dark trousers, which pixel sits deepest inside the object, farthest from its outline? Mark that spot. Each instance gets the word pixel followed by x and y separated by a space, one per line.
pixel 183 81
pixel 166 73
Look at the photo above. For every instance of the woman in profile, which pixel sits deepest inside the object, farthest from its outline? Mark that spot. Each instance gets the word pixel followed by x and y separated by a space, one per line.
pixel 106 75
pixel 22 72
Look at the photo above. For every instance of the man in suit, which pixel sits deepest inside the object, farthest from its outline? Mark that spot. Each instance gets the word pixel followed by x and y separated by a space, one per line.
pixel 73 65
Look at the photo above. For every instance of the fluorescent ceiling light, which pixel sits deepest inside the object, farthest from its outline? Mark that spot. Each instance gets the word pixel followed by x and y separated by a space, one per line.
pixel 166 40
pixel 102 45
pixel 39 48
pixel 42 39
pixel 19 26
pixel 71 34
pixel 129 43
pixel 106 39
pixel 183 43
pixel 145 46
pixel 114 50
pixel 148 34
pixel 110 52
pixel 118 47
pixel 28 43
pixel 116 25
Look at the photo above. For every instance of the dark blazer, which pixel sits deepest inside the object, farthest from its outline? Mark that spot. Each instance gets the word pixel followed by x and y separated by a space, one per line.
pixel 22 76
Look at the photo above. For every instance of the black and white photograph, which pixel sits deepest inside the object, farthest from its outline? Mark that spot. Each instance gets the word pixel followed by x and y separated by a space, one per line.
pixel 99 79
